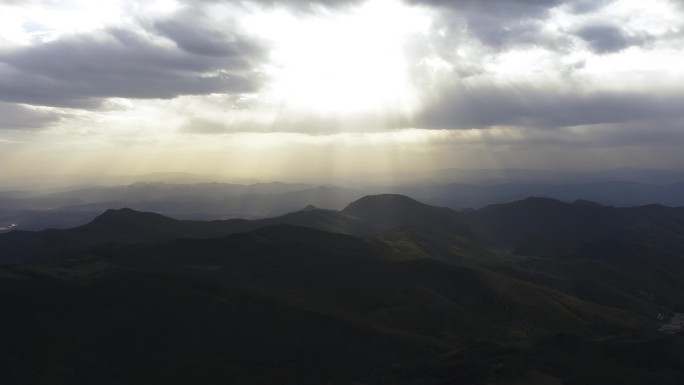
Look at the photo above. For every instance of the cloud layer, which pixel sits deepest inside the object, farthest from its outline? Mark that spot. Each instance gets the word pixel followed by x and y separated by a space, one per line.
pixel 14 116
pixel 514 73
pixel 177 56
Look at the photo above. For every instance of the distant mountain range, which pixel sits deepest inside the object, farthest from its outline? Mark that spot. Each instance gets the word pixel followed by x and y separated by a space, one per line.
pixel 35 210
pixel 527 176
pixel 534 226
pixel 57 183
pixel 606 193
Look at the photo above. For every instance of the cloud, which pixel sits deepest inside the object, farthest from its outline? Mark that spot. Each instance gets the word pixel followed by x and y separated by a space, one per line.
pixel 606 38
pixel 654 133
pixel 658 133
pixel 266 121
pixel 679 3
pixel 195 52
pixel 81 70
pixel 461 106
pixel 515 9
pixel 204 126
pixel 587 6
pixel 193 33
pixel 18 117
pixel 501 23
pixel 305 5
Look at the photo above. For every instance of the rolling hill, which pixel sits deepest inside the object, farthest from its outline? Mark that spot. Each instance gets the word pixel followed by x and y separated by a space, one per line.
pixel 275 305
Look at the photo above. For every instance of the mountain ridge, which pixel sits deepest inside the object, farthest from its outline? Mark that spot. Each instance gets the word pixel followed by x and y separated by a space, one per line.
pixel 533 226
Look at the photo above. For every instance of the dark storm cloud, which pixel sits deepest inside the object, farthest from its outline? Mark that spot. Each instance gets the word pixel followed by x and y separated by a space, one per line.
pixel 17 117
pixel 463 107
pixel 605 38
pixel 79 71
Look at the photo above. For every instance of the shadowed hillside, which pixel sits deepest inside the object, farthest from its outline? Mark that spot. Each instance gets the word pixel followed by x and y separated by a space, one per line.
pixel 546 227
pixel 387 291
pixel 278 304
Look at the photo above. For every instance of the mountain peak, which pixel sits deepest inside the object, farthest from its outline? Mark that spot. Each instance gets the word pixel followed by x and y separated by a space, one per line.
pixel 384 199
pixel 310 208
pixel 129 215
pixel 383 202
pixel 393 210
pixel 118 212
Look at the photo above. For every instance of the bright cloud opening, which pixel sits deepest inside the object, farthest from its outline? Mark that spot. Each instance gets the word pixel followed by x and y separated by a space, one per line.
pixel 343 63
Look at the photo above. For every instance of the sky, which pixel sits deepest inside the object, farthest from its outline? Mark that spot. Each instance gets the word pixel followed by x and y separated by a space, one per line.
pixel 305 90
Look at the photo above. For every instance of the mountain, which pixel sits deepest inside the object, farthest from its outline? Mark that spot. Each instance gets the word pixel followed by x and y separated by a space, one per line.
pixel 201 201
pixel 609 192
pixel 612 273
pixel 533 226
pixel 642 273
pixel 547 227
pixel 388 290
pixel 282 304
pixel 41 209
pixel 389 211
pixel 130 226
pixel 327 220
pixel 113 226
